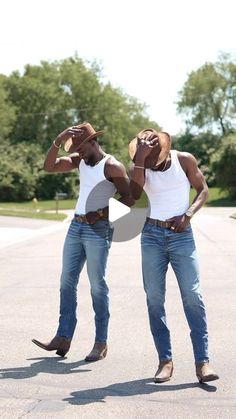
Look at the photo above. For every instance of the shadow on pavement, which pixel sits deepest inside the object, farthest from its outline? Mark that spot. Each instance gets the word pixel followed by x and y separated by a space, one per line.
pixel 129 388
pixel 47 365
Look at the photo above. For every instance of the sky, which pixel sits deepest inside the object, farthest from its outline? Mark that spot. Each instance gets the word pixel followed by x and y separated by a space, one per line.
pixel 146 48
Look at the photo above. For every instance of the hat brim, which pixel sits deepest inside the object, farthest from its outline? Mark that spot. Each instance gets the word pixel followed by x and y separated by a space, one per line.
pixel 72 144
pixel 164 143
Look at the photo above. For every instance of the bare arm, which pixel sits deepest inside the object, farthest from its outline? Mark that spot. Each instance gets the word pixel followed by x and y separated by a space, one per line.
pixel 196 179
pixel 56 164
pixel 53 164
pixel 198 182
pixel 137 171
pixel 116 173
pixel 137 180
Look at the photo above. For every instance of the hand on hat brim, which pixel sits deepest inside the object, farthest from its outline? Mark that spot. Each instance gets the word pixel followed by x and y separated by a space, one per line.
pixel 70 146
pixel 145 147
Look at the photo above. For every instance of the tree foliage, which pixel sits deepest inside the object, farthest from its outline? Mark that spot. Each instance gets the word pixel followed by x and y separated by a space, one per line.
pixel 7 112
pixel 224 165
pixel 45 99
pixel 202 146
pixel 208 97
pixel 18 171
pixel 22 176
pixel 38 104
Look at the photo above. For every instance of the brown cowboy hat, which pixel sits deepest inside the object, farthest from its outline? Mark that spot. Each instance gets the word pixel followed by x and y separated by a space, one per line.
pixel 85 133
pixel 164 143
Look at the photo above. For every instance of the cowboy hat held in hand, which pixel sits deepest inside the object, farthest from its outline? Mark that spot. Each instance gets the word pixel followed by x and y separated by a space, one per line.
pixel 160 141
pixel 84 132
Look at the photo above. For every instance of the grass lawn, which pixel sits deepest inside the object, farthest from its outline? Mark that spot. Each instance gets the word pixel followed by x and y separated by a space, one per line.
pixel 39 210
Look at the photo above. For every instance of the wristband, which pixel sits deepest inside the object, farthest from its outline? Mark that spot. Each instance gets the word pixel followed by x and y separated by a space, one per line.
pixel 189 213
pixel 57 146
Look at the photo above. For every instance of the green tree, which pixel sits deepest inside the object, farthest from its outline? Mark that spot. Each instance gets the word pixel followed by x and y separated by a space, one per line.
pixel 18 171
pixel 202 146
pixel 22 176
pixel 38 104
pixel 122 117
pixel 48 184
pixel 224 165
pixel 39 100
pixel 7 112
pixel 49 97
pixel 208 97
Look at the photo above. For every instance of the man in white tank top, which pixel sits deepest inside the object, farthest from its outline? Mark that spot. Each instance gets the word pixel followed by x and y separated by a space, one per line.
pixel 166 176
pixel 89 235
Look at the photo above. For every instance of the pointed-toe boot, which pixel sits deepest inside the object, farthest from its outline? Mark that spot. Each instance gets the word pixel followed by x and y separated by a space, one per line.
pixel 164 372
pixel 98 352
pixel 205 373
pixel 59 344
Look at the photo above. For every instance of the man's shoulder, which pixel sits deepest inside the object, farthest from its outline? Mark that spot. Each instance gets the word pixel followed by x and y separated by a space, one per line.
pixel 114 168
pixel 185 155
pixel 187 160
pixel 112 161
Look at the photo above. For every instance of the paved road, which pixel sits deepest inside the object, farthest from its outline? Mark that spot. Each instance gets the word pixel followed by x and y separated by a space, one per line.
pixel 37 384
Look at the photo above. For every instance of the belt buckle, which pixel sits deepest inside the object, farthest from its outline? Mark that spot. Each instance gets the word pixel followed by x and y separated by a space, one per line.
pixel 81 219
pixel 162 224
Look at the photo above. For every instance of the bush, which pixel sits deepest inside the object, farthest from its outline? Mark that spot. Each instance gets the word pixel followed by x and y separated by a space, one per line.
pixel 18 171
pixel 22 176
pixel 224 165
pixel 202 146
pixel 50 183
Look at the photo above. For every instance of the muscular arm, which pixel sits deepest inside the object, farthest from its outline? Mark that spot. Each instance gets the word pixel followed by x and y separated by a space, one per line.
pixel 116 173
pixel 137 180
pixel 137 171
pixel 196 179
pixel 54 164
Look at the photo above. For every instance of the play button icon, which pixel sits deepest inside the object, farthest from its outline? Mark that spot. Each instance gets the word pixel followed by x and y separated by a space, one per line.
pixel 125 222
pixel 117 210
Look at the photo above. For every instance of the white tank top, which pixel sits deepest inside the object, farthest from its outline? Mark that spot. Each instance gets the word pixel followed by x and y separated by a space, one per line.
pixel 95 189
pixel 168 191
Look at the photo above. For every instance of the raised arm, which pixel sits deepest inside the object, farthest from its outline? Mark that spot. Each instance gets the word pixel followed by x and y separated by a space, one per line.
pixel 56 164
pixel 137 170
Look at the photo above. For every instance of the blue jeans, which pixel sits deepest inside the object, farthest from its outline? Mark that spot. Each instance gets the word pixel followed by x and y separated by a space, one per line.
pixel 85 243
pixel 159 247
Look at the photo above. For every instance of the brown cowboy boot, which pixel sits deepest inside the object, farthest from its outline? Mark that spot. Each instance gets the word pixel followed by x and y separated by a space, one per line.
pixel 58 344
pixel 98 352
pixel 205 373
pixel 164 371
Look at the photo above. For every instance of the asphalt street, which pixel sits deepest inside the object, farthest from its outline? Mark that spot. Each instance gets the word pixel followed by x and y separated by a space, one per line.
pixel 39 384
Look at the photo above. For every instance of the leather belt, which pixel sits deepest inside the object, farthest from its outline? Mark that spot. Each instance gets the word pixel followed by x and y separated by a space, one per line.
pixel 83 219
pixel 159 223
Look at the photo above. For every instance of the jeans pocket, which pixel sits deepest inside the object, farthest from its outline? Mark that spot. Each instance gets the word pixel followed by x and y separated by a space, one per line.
pixel 73 229
pixel 147 228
